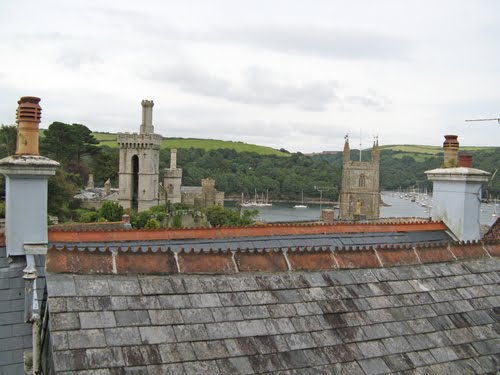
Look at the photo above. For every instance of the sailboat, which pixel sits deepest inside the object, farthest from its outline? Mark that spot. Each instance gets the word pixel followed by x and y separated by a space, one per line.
pixel 302 205
pixel 266 203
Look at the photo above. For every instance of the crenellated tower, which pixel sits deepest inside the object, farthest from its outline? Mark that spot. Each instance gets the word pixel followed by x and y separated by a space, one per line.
pixel 139 164
pixel 172 180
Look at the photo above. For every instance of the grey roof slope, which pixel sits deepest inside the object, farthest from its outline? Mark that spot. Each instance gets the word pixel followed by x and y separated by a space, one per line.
pixel 435 318
pixel 275 242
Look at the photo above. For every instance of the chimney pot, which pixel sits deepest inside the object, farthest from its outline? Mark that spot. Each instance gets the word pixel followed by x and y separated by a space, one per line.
pixel 465 160
pixel 450 148
pixel 28 114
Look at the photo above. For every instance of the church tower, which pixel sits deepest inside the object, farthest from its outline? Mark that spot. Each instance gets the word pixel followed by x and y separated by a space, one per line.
pixel 360 192
pixel 140 164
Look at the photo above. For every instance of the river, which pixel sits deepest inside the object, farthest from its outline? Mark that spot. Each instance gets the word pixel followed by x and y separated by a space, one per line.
pixel 396 207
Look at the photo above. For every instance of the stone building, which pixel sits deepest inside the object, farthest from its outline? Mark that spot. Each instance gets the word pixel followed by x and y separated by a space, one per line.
pixel 139 172
pixel 173 191
pixel 360 191
pixel 139 164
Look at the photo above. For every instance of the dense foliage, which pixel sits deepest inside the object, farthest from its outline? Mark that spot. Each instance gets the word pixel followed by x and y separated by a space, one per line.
pixel 236 173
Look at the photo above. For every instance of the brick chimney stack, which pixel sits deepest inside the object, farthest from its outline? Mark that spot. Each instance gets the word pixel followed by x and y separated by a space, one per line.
pixel 28 116
pixel 450 148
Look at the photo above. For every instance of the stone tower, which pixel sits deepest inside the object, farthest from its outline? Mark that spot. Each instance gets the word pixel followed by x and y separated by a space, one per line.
pixel 172 180
pixel 360 192
pixel 139 164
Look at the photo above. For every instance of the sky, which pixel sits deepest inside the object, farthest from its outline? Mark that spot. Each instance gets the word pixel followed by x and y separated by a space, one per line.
pixel 290 74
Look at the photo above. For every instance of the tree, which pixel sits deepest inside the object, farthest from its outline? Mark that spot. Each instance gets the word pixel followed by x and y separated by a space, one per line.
pixel 111 211
pixel 8 139
pixel 68 143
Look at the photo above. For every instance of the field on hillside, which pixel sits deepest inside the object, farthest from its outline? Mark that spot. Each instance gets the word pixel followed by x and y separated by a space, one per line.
pixel 109 139
pixel 421 153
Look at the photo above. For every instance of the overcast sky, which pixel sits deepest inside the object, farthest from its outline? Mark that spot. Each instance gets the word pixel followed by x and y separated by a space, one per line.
pixel 293 74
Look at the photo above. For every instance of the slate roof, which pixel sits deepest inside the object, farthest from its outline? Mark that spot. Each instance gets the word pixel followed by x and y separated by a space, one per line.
pixel 430 318
pixel 332 240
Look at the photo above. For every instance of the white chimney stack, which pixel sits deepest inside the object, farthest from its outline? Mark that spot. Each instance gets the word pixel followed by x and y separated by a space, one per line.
pixel 456 197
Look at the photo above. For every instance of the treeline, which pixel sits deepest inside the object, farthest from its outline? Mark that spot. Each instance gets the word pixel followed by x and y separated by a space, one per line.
pixel 283 177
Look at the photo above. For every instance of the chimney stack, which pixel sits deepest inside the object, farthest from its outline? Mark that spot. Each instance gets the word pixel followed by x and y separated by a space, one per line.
pixel 456 193
pixel 26 174
pixel 450 148
pixel 28 116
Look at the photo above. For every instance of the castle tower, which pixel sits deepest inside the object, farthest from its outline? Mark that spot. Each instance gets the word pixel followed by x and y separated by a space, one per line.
pixel 360 194
pixel 139 164
pixel 172 179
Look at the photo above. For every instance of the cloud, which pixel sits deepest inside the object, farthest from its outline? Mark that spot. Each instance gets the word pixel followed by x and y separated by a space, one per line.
pixel 315 41
pixel 258 87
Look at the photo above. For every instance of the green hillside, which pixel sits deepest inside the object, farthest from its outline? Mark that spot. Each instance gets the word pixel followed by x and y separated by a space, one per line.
pixel 420 153
pixel 109 139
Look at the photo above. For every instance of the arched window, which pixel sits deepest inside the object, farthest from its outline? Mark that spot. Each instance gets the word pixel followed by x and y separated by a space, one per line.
pixel 362 181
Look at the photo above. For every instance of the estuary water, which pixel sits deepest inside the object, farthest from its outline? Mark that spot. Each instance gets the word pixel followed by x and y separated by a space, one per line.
pixel 396 206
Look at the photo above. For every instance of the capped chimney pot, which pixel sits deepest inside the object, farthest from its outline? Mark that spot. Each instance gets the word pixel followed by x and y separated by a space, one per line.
pixel 28 114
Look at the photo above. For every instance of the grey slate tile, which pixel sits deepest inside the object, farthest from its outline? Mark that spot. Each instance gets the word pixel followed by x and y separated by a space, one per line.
pixel 132 318
pixel 141 355
pixel 305 308
pixel 254 312
pixel 91 287
pixel 299 341
pixel 326 338
pixel 265 344
pixel 196 315
pixel 200 367
pixel 224 314
pixel 278 326
pixel 157 334
pixel 142 302
pixel 192 332
pixel 488 346
pixel 176 352
pixel 234 299
pixel 97 319
pixel 374 366
pixel 61 286
pixel 231 366
pixel 372 349
pixel 266 363
pixel 464 351
pixel 209 349
pixel 261 297
pixel 64 321
pixel 282 310
pixel 395 345
pixel 167 317
pixel 444 354
pixel 78 304
pixel 295 359
pixel 86 338
pixel 152 285
pixel 179 301
pixel 221 330
pixel 122 336
pixel 252 328
pixel 168 369
pixel 398 362
pixel 241 346
pixel 104 357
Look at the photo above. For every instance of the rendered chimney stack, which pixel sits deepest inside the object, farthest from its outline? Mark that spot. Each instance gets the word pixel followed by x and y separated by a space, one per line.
pixel 28 119
pixel 450 148
pixel 173 158
pixel 147 117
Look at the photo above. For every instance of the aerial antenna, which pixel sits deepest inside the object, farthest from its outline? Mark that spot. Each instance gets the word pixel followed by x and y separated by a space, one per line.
pixel 484 119
pixel 360 150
